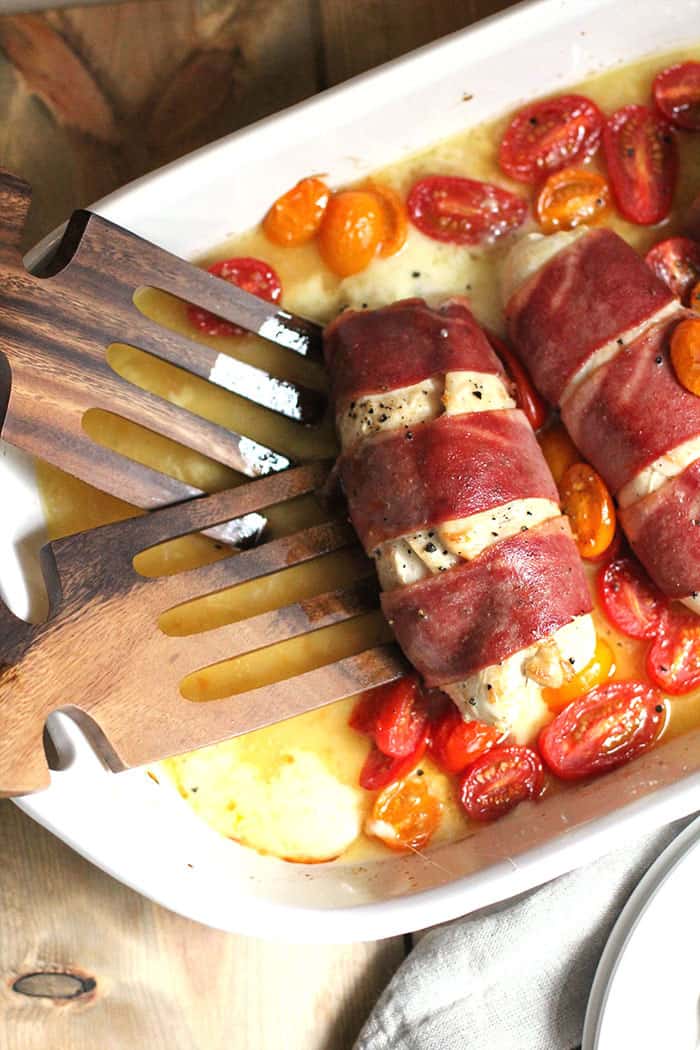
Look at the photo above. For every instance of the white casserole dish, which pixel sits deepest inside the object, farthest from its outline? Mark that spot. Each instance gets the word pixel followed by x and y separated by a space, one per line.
pixel 143 833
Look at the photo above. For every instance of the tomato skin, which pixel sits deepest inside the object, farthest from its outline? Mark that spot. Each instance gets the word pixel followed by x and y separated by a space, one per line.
pixel 570 197
pixel 499 780
pixel 596 671
pixel 590 509
pixel 409 809
pixel 558 449
pixel 379 769
pixel 694 298
pixel 677 94
pixel 685 354
pixel 463 211
pixel 548 135
pixel 456 744
pixel 401 719
pixel 629 599
pixel 606 727
pixel 527 399
pixel 395 218
pixel 676 261
pixel 673 661
pixel 253 275
pixel 352 231
pixel 363 716
pixel 642 158
pixel 295 217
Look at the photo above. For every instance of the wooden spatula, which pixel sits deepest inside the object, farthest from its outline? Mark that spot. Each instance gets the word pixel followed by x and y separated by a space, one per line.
pixel 55 328
pixel 102 657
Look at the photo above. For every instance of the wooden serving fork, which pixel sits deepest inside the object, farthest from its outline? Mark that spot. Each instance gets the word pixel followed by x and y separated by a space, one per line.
pixel 56 326
pixel 102 657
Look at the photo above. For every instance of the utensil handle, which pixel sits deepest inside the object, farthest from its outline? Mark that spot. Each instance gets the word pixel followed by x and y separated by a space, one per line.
pixel 15 199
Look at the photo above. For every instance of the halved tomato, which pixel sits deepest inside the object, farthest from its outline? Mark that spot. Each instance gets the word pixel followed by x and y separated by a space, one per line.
pixel 499 780
pixel 549 135
pixel 685 354
pixel 630 600
pixel 526 397
pixel 380 769
pixel 571 197
pixel 642 158
pixel 295 217
pixel 673 661
pixel 677 94
pixel 589 506
pixel 401 719
pixel 597 670
pixel 405 815
pixel 463 211
pixel 253 275
pixel 676 261
pixel 456 743
pixel 608 726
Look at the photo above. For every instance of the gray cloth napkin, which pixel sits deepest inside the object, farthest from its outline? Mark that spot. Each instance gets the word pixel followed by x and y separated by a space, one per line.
pixel 515 977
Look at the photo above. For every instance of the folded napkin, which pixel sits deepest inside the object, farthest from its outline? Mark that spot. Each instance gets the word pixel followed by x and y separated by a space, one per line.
pixel 517 976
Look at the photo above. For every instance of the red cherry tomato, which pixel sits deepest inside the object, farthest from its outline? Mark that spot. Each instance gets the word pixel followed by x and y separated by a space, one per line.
pixel 673 661
pixel 499 780
pixel 253 275
pixel 456 743
pixel 677 94
pixel 364 714
pixel 550 135
pixel 602 729
pixel 630 600
pixel 402 718
pixel 526 397
pixel 463 211
pixel 642 159
pixel 380 769
pixel 676 261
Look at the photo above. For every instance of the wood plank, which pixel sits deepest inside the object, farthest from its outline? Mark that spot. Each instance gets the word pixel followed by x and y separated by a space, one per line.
pixel 362 34
pixel 160 980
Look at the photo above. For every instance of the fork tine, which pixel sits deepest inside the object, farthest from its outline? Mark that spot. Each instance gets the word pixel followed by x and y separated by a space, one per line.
pixel 289 399
pixel 252 564
pixel 194 651
pixel 113 393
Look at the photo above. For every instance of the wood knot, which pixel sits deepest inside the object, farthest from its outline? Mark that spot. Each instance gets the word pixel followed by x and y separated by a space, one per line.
pixel 54 984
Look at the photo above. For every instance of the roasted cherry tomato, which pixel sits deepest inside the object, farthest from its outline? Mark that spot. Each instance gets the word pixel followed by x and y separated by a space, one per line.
pixel 527 398
pixel 380 769
pixel 253 275
pixel 364 714
pixel 642 159
pixel 499 780
pixel 685 354
pixel 677 262
pixel 673 661
pixel 550 135
pixel 456 743
pixel 405 815
pixel 401 719
pixel 630 600
pixel 589 506
pixel 558 449
pixel 463 211
pixel 395 216
pixel 677 94
pixel 606 727
pixel 694 298
pixel 352 231
pixel 571 197
pixel 295 217
pixel 597 670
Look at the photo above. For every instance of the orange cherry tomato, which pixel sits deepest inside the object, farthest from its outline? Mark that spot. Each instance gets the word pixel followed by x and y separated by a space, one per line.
pixel 352 231
pixel 295 217
pixel 395 215
pixel 558 449
pixel 685 354
pixel 587 502
pixel 570 197
pixel 456 744
pixel 405 815
pixel 596 671
pixel 694 300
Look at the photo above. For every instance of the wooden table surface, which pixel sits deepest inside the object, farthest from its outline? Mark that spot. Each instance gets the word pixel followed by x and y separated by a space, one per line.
pixel 90 98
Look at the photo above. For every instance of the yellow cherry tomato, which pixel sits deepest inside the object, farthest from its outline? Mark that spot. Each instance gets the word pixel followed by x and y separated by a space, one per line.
pixel 558 449
pixel 596 671
pixel 295 217
pixel 352 231
pixel 571 197
pixel 685 354
pixel 587 502
pixel 405 815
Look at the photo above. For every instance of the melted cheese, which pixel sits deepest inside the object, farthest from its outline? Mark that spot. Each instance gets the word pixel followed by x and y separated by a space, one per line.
pixel 657 473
